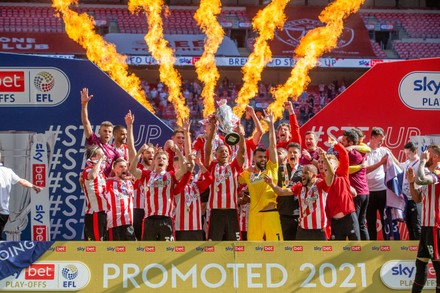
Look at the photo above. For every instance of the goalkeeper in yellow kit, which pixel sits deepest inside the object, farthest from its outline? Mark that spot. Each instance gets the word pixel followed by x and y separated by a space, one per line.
pixel 264 220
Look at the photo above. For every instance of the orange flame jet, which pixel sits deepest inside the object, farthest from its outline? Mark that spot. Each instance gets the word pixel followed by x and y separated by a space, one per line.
pixel 160 50
pixel 80 28
pixel 206 69
pixel 315 43
pixel 265 22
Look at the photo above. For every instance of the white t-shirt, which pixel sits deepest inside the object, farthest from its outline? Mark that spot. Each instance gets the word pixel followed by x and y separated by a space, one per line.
pixel 7 179
pixel 376 178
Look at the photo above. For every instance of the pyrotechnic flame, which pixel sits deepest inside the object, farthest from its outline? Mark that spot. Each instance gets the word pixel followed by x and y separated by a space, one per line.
pixel 206 69
pixel 80 28
pixel 265 22
pixel 160 50
pixel 315 43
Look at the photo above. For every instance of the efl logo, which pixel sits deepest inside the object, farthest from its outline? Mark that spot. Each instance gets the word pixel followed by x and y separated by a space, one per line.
pixel 39 174
pixel 327 248
pixel 40 272
pixel 208 249
pixel 40 233
pixel 61 249
pixel 44 81
pixel 90 248
pixel 385 248
pixel 12 81
pixel 356 248
pixel 239 248
pixel 179 249
pixel 269 248
pixel 298 248
pixel 120 249
pixel 150 248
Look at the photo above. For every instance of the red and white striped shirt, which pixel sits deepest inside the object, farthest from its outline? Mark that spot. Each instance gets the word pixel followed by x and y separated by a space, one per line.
pixel 312 204
pixel 159 192
pixel 139 191
pixel 123 151
pixel 223 192
pixel 243 216
pixel 94 191
pixel 199 146
pixel 120 197
pixel 431 201
pixel 188 205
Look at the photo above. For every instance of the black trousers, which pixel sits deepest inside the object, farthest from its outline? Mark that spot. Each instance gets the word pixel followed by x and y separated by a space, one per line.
pixel 3 220
pixel 376 203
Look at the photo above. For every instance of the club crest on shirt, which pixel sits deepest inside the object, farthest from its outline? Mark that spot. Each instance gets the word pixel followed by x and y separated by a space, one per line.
pixel 119 194
pixel 253 178
pixel 161 183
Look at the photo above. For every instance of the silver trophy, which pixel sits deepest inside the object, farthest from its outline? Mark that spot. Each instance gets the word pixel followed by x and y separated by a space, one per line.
pixel 227 121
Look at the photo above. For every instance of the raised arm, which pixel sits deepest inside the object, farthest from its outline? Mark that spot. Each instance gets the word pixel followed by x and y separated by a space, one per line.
pixel 411 178
pixel 133 164
pixel 182 163
pixel 256 137
pixel 344 161
pixel 241 153
pixel 85 98
pixel 294 126
pixel 329 171
pixel 206 175
pixel 186 125
pixel 96 168
pixel 269 119
pixel 208 143
pixel 199 163
pixel 169 145
pixel 422 177
pixel 129 120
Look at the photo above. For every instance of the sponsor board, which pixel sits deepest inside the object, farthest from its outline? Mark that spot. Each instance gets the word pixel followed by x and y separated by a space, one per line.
pixel 49 276
pixel 400 274
pixel 403 86
pixel 421 90
pixel 343 266
pixel 40 204
pixel 28 87
pixel 279 62
pixel 49 105
pixel 424 141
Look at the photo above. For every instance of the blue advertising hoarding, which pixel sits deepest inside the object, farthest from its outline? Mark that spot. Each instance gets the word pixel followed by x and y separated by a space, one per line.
pixel 40 102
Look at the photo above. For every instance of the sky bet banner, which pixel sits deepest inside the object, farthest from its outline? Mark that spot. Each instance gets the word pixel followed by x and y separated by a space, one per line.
pixel 402 97
pixel 40 114
pixel 18 255
pixel 334 266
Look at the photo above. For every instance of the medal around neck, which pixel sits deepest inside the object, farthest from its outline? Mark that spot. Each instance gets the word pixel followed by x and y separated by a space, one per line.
pixel 227 122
